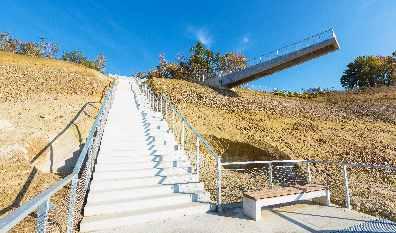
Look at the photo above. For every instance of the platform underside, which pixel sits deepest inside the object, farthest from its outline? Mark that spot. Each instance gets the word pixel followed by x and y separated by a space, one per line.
pixel 276 64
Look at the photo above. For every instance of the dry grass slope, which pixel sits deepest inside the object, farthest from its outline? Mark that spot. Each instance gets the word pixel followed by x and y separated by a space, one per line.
pixel 46 109
pixel 249 125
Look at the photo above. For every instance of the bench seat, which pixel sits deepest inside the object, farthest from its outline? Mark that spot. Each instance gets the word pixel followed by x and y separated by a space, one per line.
pixel 254 201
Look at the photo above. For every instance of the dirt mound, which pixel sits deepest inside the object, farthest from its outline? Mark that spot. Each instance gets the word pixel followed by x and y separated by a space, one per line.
pixel 46 109
pixel 23 77
pixel 341 126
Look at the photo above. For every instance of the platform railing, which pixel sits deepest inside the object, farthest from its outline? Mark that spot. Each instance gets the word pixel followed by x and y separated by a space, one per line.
pixel 285 50
pixel 306 42
pixel 76 184
pixel 205 161
pixel 336 175
pixel 345 169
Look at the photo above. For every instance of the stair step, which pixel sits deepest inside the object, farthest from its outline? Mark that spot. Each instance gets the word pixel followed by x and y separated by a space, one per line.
pixel 145 164
pixel 151 179
pixel 101 195
pixel 98 207
pixel 132 160
pixel 130 218
pixel 138 167
pixel 140 173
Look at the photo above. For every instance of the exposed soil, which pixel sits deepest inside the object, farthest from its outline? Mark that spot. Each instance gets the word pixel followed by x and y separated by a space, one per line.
pixel 343 126
pixel 46 110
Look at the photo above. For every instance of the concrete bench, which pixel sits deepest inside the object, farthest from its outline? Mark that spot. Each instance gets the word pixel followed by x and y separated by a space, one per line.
pixel 254 201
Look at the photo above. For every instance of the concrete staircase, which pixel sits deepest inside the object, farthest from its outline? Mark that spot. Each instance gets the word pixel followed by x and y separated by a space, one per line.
pixel 140 174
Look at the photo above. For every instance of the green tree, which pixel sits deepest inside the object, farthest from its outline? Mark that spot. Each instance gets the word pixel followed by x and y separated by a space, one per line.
pixel 230 62
pixel 100 62
pixel 48 49
pixel 202 63
pixel 7 43
pixel 30 49
pixel 367 71
pixel 79 58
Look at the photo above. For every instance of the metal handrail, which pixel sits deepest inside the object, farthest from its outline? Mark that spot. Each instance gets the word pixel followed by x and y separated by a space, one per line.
pixel 156 100
pixel 360 165
pixel 16 216
pixel 343 165
pixel 9 221
pixel 306 42
pixel 293 47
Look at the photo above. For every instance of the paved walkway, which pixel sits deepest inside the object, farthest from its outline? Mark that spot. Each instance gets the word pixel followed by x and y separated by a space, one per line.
pixel 139 176
pixel 139 170
pixel 298 218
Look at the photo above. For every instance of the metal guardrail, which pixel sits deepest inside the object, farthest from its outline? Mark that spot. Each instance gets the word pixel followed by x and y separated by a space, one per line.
pixel 162 104
pixel 307 42
pixel 41 203
pixel 343 165
pixel 285 50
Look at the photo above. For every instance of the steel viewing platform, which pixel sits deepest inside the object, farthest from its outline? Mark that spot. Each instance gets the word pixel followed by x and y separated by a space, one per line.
pixel 280 59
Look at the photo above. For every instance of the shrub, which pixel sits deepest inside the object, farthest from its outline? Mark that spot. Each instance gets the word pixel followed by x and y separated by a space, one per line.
pixel 7 43
pixel 46 49
pixel 369 71
pixel 79 58
pixel 202 63
pixel 29 49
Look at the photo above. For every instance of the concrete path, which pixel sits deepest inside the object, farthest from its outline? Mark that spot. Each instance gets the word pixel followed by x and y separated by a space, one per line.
pixel 296 218
pixel 139 172
pixel 142 183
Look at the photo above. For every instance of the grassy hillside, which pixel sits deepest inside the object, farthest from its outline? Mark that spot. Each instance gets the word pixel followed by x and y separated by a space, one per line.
pixel 249 125
pixel 46 109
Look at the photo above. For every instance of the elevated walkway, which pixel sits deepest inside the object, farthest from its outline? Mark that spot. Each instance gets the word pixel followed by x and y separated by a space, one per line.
pixel 280 59
pixel 139 175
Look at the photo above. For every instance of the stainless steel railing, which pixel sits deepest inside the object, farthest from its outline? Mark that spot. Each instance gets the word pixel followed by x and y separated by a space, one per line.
pixel 190 140
pixel 285 50
pixel 342 166
pixel 78 180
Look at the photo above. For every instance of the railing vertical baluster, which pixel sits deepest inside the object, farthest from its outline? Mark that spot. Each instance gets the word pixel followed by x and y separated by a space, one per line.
pixel 72 203
pixel 166 107
pixel 160 104
pixel 173 119
pixel 197 158
pixel 270 175
pixel 346 187
pixel 182 134
pixel 157 103
pixel 218 184
pixel 309 178
pixel 42 217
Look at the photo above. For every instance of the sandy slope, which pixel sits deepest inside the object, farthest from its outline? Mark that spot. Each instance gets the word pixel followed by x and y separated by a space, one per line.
pixel 46 110
pixel 248 125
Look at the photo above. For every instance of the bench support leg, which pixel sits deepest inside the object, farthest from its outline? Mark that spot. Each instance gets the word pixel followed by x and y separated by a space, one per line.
pixel 252 209
pixel 325 200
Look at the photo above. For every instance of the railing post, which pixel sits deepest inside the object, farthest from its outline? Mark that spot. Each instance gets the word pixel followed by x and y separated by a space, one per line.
pixel 42 217
pixel 72 203
pixel 173 120
pixel 346 187
pixel 270 175
pixel 197 157
pixel 309 178
pixel 166 107
pixel 182 135
pixel 218 184
pixel 160 104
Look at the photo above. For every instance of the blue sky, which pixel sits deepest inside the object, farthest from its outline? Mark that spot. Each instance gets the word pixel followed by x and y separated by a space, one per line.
pixel 133 33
